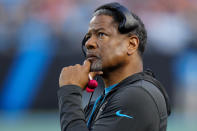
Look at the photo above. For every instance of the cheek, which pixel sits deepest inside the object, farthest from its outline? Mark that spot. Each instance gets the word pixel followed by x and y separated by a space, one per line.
pixel 120 51
pixel 113 55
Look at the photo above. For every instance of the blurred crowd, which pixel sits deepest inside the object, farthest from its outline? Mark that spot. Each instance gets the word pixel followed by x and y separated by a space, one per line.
pixel 174 20
pixel 52 30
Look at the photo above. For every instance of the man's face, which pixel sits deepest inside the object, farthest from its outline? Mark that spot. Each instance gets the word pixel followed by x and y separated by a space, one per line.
pixel 106 47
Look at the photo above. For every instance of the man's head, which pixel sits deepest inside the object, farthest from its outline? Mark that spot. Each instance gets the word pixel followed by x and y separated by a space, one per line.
pixel 114 35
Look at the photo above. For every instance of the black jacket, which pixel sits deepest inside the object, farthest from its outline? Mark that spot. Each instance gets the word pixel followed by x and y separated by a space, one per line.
pixel 138 103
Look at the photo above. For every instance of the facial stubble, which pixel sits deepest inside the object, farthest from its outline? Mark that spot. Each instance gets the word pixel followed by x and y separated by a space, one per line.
pixel 96 65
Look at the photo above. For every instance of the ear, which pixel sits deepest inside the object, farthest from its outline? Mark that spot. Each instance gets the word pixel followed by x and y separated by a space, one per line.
pixel 133 44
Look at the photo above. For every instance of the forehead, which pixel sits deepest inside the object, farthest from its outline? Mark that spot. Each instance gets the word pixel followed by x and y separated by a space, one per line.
pixel 101 21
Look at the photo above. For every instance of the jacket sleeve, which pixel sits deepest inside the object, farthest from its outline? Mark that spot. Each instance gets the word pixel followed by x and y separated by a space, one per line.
pixel 129 110
pixel 72 117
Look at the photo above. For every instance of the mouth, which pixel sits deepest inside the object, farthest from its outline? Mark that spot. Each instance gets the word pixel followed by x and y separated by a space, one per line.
pixel 91 57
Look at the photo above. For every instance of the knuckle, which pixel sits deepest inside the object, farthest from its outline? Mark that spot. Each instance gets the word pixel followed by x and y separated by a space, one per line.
pixel 65 68
pixel 78 65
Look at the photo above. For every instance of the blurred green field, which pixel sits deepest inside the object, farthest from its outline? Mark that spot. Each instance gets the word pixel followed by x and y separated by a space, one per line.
pixel 49 121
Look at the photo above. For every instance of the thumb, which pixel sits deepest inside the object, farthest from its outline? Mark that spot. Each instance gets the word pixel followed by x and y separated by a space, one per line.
pixel 86 65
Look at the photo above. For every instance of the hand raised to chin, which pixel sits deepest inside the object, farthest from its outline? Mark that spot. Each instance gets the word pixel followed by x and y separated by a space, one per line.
pixel 76 75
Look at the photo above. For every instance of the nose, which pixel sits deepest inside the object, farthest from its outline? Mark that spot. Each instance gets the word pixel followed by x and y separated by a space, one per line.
pixel 91 43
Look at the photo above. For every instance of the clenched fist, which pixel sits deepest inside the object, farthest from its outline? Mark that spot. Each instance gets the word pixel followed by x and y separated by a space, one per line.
pixel 76 75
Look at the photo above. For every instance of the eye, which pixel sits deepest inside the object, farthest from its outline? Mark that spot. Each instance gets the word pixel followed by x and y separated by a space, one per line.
pixel 87 37
pixel 101 34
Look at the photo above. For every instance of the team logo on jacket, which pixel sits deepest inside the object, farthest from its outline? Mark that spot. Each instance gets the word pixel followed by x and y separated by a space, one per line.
pixel 123 115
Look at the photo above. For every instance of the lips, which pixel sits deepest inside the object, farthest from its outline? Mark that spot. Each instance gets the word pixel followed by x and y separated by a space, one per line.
pixel 91 56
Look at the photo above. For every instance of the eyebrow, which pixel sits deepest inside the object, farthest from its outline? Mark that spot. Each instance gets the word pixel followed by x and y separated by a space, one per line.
pixel 96 30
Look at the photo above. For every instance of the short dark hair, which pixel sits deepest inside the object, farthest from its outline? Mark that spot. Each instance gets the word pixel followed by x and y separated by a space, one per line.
pixel 139 29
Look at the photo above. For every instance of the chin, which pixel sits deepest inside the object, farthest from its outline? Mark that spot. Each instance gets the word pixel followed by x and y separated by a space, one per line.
pixel 96 66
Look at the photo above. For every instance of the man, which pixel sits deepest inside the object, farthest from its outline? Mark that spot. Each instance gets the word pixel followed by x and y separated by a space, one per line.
pixel 133 100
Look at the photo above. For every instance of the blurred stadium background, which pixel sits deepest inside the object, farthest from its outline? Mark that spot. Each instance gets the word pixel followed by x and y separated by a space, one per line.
pixel 39 37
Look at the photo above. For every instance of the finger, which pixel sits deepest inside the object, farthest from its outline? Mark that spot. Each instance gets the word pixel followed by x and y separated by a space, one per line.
pixel 98 73
pixel 93 74
pixel 87 64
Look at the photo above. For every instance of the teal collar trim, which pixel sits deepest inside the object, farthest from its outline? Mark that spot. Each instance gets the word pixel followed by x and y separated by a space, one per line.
pixel 108 89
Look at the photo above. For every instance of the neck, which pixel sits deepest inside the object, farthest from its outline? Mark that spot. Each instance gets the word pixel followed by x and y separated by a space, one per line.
pixel 120 73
